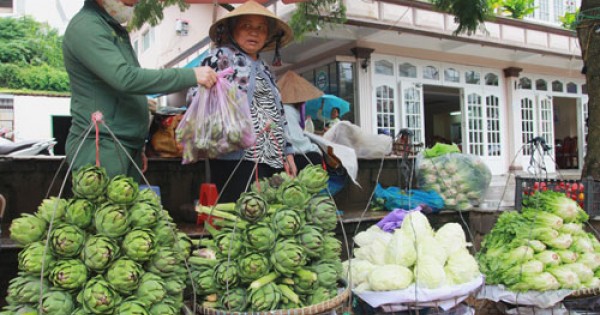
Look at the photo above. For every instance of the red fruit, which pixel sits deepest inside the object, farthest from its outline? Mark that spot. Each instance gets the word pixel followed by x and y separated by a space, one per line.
pixel 574 187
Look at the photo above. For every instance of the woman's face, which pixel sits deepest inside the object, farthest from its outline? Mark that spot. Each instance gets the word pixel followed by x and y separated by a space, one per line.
pixel 335 112
pixel 250 33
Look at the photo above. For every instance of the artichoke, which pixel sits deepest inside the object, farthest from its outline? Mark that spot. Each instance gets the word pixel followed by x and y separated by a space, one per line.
pixel 69 274
pixel 278 179
pixel 22 309
pixel 164 233
pixel 98 297
pixel 98 252
pixel 227 274
pixel 124 275
pixel 143 215
pixel 287 222
pixel 305 281
pixel 259 237
pixel 165 262
pixel 52 208
pixel 263 188
pixel 229 244
pixel 233 300
pixel 80 212
pixel 131 307
pixel 184 245
pixel 175 285
pixel 253 266
pixel 321 294
pixel 90 182
pixel 332 248
pixel 251 206
pixel 266 298
pixel 288 257
pixel 25 289
pixel 311 238
pixel 164 307
pixel 31 257
pixel 322 212
pixel 204 282
pixel 27 229
pixel 122 190
pixel 148 196
pixel 328 271
pixel 151 289
pixel 292 194
pixel 139 245
pixel 67 240
pixel 57 302
pixel 111 220
pixel 314 178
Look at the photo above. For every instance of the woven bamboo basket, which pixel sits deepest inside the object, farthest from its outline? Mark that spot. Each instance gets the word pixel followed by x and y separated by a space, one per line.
pixel 584 293
pixel 316 309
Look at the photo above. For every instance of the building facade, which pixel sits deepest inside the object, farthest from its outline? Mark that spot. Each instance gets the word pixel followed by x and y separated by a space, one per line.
pixel 401 67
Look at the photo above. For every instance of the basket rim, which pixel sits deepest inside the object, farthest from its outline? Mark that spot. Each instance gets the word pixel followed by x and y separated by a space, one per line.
pixel 585 292
pixel 307 310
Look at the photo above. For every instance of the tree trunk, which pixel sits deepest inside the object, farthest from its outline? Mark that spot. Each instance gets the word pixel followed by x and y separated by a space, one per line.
pixel 589 41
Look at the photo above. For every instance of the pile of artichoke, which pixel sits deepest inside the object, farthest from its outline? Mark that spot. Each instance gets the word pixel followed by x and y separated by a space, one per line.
pixel 112 249
pixel 275 248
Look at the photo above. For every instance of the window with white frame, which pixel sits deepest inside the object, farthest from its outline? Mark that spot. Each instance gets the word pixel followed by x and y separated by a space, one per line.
pixel 475 121
pixel 559 10
pixel 491 79
pixel 136 48
pixel 525 83
pixel 384 67
pixel 451 75
pixel 412 105
pixel 541 85
pixel 527 123
pixel 543 10
pixel 407 70
pixel 472 77
pixel 6 114
pixel 386 114
pixel 546 120
pixel 557 86
pixel 571 88
pixel 492 105
pixel 431 73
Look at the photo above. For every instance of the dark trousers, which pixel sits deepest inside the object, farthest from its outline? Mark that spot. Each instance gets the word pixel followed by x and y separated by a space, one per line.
pixel 240 181
pixel 313 158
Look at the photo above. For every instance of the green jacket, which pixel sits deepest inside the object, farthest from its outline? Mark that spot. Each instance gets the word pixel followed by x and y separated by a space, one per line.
pixel 106 76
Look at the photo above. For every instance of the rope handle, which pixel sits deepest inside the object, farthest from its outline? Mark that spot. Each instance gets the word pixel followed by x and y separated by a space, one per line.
pixel 97 118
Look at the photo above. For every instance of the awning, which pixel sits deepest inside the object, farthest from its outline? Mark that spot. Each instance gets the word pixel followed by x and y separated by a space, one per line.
pixel 192 64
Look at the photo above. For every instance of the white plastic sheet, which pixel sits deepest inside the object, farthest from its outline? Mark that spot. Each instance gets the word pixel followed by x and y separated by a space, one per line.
pixel 446 297
pixel 538 299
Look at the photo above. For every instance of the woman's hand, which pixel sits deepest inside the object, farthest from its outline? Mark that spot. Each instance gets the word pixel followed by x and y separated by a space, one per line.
pixel 292 170
pixel 206 76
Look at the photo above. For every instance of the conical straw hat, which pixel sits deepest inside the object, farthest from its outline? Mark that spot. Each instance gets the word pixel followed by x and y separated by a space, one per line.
pixel 253 8
pixel 296 89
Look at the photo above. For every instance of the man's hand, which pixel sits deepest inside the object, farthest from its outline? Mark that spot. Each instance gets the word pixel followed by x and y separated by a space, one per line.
pixel 206 76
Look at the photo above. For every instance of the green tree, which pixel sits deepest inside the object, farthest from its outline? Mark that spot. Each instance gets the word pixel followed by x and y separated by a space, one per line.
pixel 31 56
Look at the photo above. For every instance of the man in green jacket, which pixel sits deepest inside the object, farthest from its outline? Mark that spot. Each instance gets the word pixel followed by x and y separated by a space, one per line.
pixel 106 76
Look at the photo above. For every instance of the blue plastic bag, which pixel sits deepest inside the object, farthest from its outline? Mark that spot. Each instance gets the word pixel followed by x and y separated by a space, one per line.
pixel 395 198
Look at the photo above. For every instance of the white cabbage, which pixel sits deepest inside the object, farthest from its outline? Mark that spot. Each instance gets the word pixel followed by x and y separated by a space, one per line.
pixel 359 270
pixel 429 273
pixel 400 250
pixel 461 267
pixel 415 224
pixel 429 246
pixel 390 277
pixel 367 237
pixel 451 237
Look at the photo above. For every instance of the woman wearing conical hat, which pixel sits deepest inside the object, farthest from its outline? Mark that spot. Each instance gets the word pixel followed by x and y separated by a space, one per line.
pixel 240 36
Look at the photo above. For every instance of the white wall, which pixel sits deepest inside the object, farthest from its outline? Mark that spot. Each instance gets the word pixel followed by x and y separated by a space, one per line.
pixel 57 13
pixel 33 115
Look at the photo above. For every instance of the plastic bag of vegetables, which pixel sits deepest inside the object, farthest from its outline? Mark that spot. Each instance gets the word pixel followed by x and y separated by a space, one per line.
pixel 217 122
pixel 460 179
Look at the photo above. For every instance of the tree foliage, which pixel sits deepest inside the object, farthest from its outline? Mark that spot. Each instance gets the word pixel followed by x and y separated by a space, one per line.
pixel 314 15
pixel 151 11
pixel 31 56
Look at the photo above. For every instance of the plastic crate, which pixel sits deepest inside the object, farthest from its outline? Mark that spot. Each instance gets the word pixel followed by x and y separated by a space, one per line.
pixel 591 191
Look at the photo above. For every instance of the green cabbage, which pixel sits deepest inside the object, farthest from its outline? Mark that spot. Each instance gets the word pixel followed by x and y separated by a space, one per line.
pixel 516 273
pixel 517 255
pixel 567 256
pixel 563 241
pixel 572 228
pixel 584 273
pixel 548 258
pixel 542 218
pixel 594 283
pixel 537 282
pixel 567 278
pixel 592 260
pixel 538 246
pixel 582 244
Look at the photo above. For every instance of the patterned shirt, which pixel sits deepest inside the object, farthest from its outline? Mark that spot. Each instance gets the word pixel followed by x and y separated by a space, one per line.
pixel 253 76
